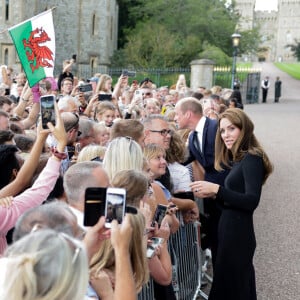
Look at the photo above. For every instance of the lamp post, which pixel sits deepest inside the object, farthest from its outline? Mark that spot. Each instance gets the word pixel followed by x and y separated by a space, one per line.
pixel 235 43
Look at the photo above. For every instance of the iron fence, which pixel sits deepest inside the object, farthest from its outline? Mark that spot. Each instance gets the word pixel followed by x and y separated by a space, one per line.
pixel 249 83
pixel 161 77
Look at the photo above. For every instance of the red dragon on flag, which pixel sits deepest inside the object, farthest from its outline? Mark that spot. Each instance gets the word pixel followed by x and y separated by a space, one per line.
pixel 39 56
pixel 34 40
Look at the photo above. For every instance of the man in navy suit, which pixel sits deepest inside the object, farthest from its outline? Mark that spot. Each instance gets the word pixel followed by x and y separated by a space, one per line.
pixel 189 115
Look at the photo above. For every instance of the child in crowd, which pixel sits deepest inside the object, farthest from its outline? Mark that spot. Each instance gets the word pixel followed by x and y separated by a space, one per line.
pixel 105 113
pixel 102 134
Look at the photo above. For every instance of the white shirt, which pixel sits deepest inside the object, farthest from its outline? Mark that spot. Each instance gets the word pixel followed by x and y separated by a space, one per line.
pixel 180 176
pixel 79 215
pixel 199 128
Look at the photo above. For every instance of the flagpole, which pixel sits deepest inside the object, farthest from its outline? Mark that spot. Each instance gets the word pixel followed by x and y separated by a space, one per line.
pixel 52 8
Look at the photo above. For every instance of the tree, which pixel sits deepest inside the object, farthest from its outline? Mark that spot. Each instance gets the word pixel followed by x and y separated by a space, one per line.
pixel 151 45
pixel 295 48
pixel 216 54
pixel 163 33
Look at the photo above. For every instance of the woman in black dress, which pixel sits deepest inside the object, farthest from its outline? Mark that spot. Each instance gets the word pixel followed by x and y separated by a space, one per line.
pixel 238 149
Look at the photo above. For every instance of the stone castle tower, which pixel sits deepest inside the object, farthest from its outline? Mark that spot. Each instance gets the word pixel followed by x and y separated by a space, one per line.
pixel 278 28
pixel 84 27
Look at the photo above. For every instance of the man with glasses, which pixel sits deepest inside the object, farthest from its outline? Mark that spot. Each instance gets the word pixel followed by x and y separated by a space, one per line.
pixel 66 86
pixel 157 131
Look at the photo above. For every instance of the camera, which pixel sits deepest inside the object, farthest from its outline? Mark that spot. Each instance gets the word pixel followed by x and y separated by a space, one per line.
pixel 159 214
pixel 47 110
pixel 104 97
pixel 115 205
pixel 85 88
pixel 128 73
pixel 94 205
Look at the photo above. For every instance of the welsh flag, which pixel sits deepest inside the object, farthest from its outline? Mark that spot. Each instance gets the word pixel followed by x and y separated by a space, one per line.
pixel 34 40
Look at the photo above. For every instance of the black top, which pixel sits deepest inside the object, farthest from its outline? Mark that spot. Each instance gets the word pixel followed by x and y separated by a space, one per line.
pixel 234 276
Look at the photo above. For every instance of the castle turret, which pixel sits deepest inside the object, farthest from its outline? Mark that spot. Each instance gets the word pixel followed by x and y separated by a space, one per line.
pixel 246 11
pixel 288 28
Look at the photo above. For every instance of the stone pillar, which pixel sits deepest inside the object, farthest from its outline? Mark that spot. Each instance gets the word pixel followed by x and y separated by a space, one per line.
pixel 202 71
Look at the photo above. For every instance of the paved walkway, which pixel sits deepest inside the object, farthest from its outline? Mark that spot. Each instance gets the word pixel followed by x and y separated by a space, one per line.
pixel 277 219
pixel 290 86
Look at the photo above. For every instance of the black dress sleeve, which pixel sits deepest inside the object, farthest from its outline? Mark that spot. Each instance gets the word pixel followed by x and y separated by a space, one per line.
pixel 243 185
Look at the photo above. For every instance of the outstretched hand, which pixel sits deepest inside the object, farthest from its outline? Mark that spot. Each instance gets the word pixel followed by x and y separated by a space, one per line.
pixel 6 201
pixel 58 130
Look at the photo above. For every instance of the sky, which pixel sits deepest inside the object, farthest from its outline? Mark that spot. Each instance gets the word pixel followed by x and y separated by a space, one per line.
pixel 266 5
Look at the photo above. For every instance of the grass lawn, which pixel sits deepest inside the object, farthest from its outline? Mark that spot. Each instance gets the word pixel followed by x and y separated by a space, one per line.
pixel 292 69
pixel 244 65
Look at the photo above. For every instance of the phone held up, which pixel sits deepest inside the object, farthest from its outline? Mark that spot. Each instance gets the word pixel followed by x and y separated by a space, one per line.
pixel 155 242
pixel 159 214
pixel 128 73
pixel 115 205
pixel 104 97
pixel 94 205
pixel 85 88
pixel 47 110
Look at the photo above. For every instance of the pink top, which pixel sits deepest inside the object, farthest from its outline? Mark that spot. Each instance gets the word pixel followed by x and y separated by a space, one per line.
pixel 31 197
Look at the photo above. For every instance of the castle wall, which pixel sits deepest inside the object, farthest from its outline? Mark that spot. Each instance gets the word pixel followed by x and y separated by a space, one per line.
pixel 288 27
pixel 267 22
pixel 246 9
pixel 278 28
pixel 84 27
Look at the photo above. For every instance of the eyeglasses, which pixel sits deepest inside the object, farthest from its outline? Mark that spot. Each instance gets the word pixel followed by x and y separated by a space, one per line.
pixel 163 132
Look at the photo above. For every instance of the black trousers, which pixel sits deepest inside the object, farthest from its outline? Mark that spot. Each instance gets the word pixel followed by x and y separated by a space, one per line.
pixel 264 95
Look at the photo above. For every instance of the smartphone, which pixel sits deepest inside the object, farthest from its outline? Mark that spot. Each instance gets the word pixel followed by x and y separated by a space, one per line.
pixel 85 88
pixel 159 214
pixel 155 242
pixel 47 110
pixel 115 205
pixel 74 56
pixel 94 205
pixel 128 73
pixel 184 195
pixel 104 97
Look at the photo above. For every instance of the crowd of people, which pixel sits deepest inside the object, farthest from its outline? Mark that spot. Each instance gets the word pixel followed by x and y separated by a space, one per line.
pixel 166 146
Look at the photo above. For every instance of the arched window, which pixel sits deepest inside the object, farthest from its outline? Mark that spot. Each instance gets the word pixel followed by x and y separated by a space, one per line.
pixel 93 64
pixel 94 24
pixel 6 10
pixel 6 56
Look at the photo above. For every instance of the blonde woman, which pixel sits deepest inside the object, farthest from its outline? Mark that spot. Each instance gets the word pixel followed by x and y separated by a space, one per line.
pixel 122 153
pixel 104 87
pixel 102 264
pixel 91 152
pixel 44 265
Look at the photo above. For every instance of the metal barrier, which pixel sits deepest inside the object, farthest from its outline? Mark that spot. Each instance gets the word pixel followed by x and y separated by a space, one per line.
pixel 186 254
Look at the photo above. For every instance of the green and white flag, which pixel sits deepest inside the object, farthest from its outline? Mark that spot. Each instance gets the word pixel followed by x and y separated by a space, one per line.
pixel 34 40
